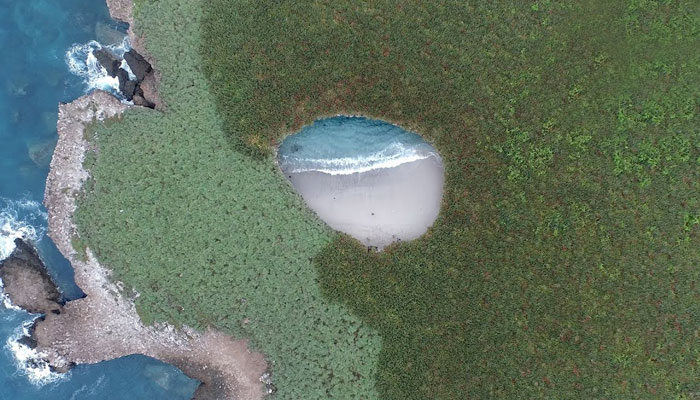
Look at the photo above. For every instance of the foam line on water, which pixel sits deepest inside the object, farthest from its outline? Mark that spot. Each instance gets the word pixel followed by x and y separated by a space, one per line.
pixel 30 362
pixel 348 166
pixel 393 155
pixel 82 62
pixel 348 145
pixel 20 219
pixel 25 219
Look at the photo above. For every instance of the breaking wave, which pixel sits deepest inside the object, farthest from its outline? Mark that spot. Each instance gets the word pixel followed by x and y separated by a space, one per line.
pixel 29 361
pixel 393 156
pixel 20 219
pixel 82 62
pixel 348 145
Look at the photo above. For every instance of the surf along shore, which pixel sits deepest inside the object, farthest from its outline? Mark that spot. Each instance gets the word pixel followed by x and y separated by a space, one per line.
pixel 564 261
pixel 105 325
pixel 368 178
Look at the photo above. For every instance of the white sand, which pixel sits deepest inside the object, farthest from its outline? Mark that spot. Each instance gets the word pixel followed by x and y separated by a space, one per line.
pixel 380 206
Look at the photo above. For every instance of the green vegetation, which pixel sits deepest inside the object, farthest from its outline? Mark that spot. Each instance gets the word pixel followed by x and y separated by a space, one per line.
pixel 565 260
pixel 564 263
pixel 210 237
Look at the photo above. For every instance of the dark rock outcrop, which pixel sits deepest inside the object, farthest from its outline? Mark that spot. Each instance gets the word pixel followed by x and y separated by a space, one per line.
pixel 140 100
pixel 131 89
pixel 27 283
pixel 126 87
pixel 139 66
pixel 123 77
pixel 108 60
pixel 150 92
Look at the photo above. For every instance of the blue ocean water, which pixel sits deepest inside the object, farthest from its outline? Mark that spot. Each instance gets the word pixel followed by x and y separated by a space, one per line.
pixel 346 145
pixel 45 44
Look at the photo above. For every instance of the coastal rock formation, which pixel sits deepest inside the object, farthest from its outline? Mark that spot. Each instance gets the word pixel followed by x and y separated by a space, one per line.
pixel 27 283
pixel 139 66
pixel 105 325
pixel 121 10
pixel 108 61
pixel 142 70
pixel 126 86
pixel 146 95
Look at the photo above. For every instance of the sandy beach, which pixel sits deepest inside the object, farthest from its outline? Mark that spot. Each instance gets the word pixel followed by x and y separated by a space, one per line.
pixel 379 206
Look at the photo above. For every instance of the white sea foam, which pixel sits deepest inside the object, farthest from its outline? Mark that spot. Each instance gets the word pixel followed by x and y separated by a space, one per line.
pixel 30 362
pixel 23 219
pixel 358 168
pixel 391 157
pixel 82 62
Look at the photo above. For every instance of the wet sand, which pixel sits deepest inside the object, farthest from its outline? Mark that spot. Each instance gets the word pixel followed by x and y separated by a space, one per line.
pixel 376 207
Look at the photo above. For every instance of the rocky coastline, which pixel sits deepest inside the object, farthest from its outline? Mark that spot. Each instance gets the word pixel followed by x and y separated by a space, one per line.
pixel 132 89
pixel 104 324
pixel 122 10
pixel 27 282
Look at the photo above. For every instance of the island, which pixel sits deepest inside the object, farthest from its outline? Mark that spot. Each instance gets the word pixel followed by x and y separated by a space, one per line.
pixel 562 262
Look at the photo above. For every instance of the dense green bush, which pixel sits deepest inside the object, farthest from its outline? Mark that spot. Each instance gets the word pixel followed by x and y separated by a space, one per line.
pixel 564 263
pixel 213 238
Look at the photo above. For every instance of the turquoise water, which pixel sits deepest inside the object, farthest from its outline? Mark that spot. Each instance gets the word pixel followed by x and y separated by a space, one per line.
pixel 346 145
pixel 35 37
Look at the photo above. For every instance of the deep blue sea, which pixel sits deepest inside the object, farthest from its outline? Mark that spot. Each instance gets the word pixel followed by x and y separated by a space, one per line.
pixel 346 145
pixel 45 46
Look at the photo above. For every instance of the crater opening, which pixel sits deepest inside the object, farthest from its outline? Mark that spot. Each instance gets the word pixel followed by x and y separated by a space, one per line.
pixel 370 179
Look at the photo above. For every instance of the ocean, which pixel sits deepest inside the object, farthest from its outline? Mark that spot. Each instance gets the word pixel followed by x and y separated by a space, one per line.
pixel 346 145
pixel 46 46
